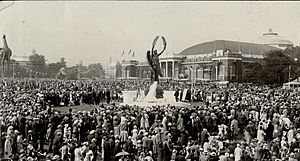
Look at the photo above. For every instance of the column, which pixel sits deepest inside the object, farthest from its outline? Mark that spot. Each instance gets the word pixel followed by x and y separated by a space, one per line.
pixel 173 69
pixel 166 69
pixel 224 70
pixel 160 65
pixel 216 72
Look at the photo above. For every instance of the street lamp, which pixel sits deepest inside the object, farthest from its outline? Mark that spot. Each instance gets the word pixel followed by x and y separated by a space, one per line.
pixel 192 83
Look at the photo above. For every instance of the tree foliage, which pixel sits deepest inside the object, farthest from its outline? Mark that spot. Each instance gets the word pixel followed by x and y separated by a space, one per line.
pixel 95 71
pixel 276 68
pixel 37 62
pixel 118 69
pixel 54 68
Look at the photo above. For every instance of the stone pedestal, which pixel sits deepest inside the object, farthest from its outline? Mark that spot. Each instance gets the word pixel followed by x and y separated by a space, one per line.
pixel 159 92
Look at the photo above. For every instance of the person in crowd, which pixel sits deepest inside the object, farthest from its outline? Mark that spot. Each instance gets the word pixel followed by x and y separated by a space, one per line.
pixel 239 122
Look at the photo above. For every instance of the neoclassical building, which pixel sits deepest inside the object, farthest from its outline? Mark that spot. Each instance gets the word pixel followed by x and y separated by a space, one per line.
pixel 218 60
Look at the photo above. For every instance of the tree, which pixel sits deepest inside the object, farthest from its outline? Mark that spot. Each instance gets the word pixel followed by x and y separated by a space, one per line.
pixel 54 68
pixel 118 69
pixel 95 70
pixel 276 67
pixel 73 73
pixel 37 62
pixel 250 72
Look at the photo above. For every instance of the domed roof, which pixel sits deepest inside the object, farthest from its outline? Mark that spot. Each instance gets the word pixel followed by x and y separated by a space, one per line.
pixel 234 46
pixel 272 38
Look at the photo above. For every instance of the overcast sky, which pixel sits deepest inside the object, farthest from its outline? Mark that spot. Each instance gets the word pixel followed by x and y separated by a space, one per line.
pixel 93 31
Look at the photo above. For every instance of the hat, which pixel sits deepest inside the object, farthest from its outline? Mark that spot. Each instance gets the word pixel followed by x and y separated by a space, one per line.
pixel 92 132
pixel 86 143
pixel 55 157
pixel 94 140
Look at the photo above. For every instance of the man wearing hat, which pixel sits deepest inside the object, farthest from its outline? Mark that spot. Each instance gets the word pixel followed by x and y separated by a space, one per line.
pixel 106 150
pixel 57 143
pixel 90 136
pixel 93 148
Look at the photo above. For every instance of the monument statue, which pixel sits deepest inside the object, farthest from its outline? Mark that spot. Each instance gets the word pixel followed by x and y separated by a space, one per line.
pixel 153 60
pixel 5 54
pixel 155 90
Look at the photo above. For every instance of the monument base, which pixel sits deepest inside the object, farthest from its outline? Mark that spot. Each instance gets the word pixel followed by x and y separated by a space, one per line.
pixel 133 98
pixel 158 102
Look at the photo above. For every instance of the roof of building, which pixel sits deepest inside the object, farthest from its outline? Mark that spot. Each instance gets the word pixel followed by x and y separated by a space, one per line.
pixel 171 55
pixel 234 46
pixel 272 38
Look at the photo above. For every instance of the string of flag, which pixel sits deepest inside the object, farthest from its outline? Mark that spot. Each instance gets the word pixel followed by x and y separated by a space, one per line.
pixel 130 53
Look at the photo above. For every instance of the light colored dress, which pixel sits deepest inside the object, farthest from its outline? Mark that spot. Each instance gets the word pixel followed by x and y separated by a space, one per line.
pixel 247 136
pixel 7 148
pixel 89 156
pixel 237 154
pixel 78 154
pixel 290 136
pixel 260 135
pixel 134 136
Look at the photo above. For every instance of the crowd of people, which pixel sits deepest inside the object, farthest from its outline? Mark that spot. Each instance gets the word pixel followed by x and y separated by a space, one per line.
pixel 240 122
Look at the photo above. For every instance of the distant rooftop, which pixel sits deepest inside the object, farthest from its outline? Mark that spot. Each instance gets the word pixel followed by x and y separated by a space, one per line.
pixel 234 46
pixel 272 38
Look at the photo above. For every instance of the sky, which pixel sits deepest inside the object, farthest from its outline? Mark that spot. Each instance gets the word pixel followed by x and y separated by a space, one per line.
pixel 96 31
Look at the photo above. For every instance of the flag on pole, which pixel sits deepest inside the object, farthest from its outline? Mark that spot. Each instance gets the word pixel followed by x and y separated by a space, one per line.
pixel 123 53
pixel 129 52
pixel 133 54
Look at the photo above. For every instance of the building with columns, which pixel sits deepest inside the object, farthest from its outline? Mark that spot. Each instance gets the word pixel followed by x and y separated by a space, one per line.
pixel 218 60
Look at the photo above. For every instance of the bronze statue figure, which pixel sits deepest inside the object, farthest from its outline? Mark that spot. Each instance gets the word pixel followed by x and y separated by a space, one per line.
pixel 153 60
pixel 5 54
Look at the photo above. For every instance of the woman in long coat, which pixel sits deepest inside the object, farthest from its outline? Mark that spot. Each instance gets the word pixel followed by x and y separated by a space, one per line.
pixel 8 147
pixel 20 142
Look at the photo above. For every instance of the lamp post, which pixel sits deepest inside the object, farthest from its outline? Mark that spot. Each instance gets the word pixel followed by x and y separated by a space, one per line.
pixel 192 80
pixel 192 83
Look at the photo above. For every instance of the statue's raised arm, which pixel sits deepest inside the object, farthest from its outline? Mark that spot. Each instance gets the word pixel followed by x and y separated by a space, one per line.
pixel 165 45
pixel 153 44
